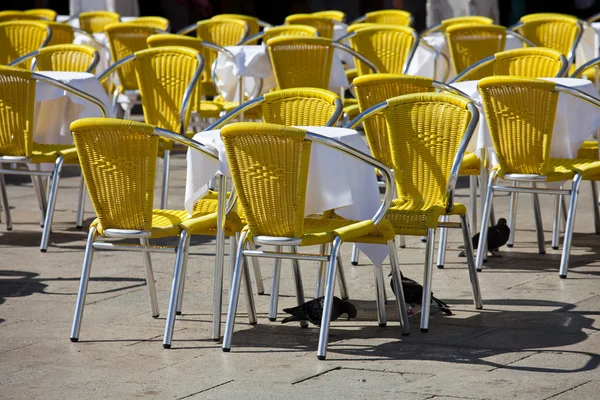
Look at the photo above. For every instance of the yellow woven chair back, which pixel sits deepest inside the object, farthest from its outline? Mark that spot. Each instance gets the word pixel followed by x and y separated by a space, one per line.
pixel 96 21
pixel 6 16
pixel 126 38
pixel 335 15
pixel 323 24
pixel 391 17
pixel 470 43
pixel 269 168
pixel 44 13
pixel 425 131
pixel 17 98
pixel 299 107
pixel 376 88
pixel 465 19
pixel 163 75
pixel 154 22
pixel 388 47
pixel 555 31
pixel 118 162
pixel 18 38
pixel 290 30
pixel 66 57
pixel 301 61
pixel 62 33
pixel 520 115
pixel 252 22
pixel 531 62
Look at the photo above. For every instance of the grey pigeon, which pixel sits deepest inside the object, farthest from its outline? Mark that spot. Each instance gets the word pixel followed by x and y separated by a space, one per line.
pixel 413 294
pixel 312 311
pixel 497 237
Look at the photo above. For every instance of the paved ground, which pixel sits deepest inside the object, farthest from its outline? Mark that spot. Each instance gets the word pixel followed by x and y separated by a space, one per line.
pixel 536 337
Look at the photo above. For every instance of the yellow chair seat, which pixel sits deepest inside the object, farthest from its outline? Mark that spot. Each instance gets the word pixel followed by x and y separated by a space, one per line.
pixel 407 220
pixel 588 150
pixel 470 165
pixel 208 204
pixel 210 109
pixel 50 152
pixel 562 169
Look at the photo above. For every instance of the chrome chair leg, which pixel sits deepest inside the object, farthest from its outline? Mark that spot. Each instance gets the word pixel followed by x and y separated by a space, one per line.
pixel 275 286
pixel 427 275
pixel 184 242
pixel 165 179
pixel 260 286
pixel 539 228
pixel 487 208
pixel 150 279
pixel 402 311
pixel 234 294
pixel 251 308
pixel 473 200
pixel 442 244
pixel 401 241
pixel 298 281
pixel 595 203
pixel 380 295
pixel 80 204
pixel 5 206
pixel 564 260
pixel 328 301
pixel 320 286
pixel 355 254
pixel 556 222
pixel 51 204
pixel 232 251
pixel 342 278
pixel 41 196
pixel 179 307
pixel 563 207
pixel 83 284
pixel 471 262
pixel 512 216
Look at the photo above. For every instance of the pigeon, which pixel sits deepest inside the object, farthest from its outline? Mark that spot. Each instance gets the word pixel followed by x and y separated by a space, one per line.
pixel 496 238
pixel 312 311
pixel 413 294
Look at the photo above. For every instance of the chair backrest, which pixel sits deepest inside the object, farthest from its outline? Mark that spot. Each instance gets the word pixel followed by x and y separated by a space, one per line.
pixel 11 15
pixel 301 61
pixel 96 21
pixel 269 167
pixel 323 24
pixel 163 75
pixel 335 15
pixel 470 43
pixel 125 39
pixel 17 97
pixel 556 31
pixel 154 22
pixel 289 30
pixel 520 114
pixel 391 17
pixel 118 163
pixel 465 19
pixel 252 22
pixel 18 38
pixel 67 57
pixel 45 13
pixel 425 134
pixel 390 48
pixel 376 88
pixel 62 33
pixel 299 107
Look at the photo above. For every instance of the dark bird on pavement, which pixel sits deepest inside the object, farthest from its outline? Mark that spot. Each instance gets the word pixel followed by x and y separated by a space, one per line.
pixel 497 237
pixel 413 294
pixel 312 311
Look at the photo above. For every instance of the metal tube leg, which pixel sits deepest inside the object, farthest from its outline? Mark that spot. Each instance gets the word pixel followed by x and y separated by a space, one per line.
pixel 355 254
pixel 51 203
pixel 485 216
pixel 298 281
pixel 232 250
pixel 219 261
pixel 380 295
pixel 563 207
pixel 427 274
pixel 320 287
pixel 150 279
pixel 442 244
pixel 492 216
pixel 40 194
pixel 400 291
pixel 249 297
pixel 401 241
pixel 473 200
pixel 80 204
pixel 539 228
pixel 512 216
pixel 179 306
pixel 165 185
pixel 184 242
pixel 260 287
pixel 83 284
pixel 564 260
pixel 328 301
pixel 471 262
pixel 342 278
pixel 5 206
pixel 556 222
pixel 234 294
pixel 275 287
pixel 595 203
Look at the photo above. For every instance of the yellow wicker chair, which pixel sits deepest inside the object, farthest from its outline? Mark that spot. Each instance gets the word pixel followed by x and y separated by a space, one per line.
pixel 18 38
pixel 323 24
pixel 254 24
pixel 96 21
pixel 62 33
pixel 282 31
pixel 17 145
pixel 44 13
pixel 520 113
pixel 6 16
pixel 589 149
pixel 66 57
pixel 160 23
pixel 428 136
pixel 119 165
pixel 335 15
pixel 273 200
pixel 390 17
pixel 465 19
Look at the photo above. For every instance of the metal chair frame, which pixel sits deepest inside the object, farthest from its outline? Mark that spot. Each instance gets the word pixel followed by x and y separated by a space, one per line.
pixel 19 60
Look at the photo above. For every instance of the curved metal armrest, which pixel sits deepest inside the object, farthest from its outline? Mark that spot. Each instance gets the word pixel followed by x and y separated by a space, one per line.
pixel 252 38
pixel 86 96
pixel 431 30
pixel 344 38
pixel 438 54
pixel 583 67
pixel 48 37
pixel 578 93
pixel 189 90
pixel 593 18
pixel 571 55
pixel 219 123
pixel 90 36
pixel 115 66
pixel 187 29
pixel 467 71
pixel 24 58
pixel 264 24
pixel 367 159
pixel 220 49
pixel 522 38
pixel 94 63
pixel 451 89
pixel 366 114
pixel 355 54
pixel 359 20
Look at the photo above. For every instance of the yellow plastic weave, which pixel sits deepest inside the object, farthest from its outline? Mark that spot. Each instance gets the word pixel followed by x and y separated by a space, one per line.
pixel 62 33
pixel 588 150
pixel 17 97
pixel 323 24
pixel 299 107
pixel 391 17
pixel 465 19
pixel 252 22
pixel 45 13
pixel 520 114
pixel 10 15
pixel 153 22
pixel 470 43
pixel 387 47
pixel 289 30
pixel 18 38
pixel 66 57
pixel 96 21
pixel 335 15
pixel 555 31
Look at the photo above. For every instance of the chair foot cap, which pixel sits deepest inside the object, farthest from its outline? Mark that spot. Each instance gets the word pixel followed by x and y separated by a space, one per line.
pixel 543 252
pixel 563 276
pixel 320 358
pixel 479 270
pixel 226 349
pixel 166 346
pixel 43 250
pixel 156 316
pixel 79 226
pixel 402 247
pixel 383 325
pixel 424 240
pixel 354 263
pixel 216 339
pixel 74 339
pixel 554 247
pixel 424 330
pixel 405 333
pixel 509 245
pixel 10 229
pixel 178 312
pixel 272 319
pixel 440 267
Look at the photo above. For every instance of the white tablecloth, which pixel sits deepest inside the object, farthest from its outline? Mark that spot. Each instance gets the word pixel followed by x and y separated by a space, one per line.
pixel 576 120
pixel 335 180
pixel 253 63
